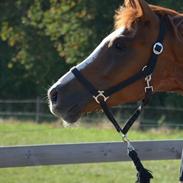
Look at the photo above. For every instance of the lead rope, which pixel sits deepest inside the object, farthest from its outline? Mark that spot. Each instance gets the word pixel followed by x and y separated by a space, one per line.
pixel 143 174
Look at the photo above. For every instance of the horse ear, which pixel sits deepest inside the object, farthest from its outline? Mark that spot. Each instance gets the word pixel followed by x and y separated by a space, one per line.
pixel 142 8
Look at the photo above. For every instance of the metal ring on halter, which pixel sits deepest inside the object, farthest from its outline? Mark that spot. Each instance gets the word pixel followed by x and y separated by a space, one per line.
pixel 144 67
pixel 125 138
pixel 158 48
pixel 100 94
pixel 129 145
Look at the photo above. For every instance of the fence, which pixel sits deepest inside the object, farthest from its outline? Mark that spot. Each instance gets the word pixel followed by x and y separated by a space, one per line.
pixel 38 110
pixel 19 156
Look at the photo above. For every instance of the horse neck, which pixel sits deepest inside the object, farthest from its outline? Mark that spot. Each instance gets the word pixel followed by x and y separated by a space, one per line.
pixel 176 42
pixel 169 76
pixel 177 50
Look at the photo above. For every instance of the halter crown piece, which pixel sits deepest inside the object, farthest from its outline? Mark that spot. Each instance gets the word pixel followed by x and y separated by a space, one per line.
pixel 101 97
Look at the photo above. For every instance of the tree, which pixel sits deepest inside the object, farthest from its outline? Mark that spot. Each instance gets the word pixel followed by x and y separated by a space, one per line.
pixel 41 39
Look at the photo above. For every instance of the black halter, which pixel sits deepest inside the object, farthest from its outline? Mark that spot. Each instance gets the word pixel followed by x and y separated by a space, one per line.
pixel 101 96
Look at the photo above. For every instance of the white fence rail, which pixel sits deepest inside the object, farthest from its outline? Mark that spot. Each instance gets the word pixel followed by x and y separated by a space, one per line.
pixel 19 156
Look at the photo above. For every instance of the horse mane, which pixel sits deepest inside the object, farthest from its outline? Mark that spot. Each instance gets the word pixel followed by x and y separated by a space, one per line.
pixel 126 16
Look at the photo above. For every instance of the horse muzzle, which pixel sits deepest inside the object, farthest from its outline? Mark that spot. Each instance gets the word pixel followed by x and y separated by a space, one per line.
pixel 68 99
pixel 62 105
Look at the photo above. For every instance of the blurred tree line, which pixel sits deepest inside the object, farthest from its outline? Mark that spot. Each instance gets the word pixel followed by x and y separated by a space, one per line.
pixel 41 39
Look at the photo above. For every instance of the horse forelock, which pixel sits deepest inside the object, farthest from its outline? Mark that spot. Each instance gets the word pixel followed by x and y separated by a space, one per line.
pixel 125 16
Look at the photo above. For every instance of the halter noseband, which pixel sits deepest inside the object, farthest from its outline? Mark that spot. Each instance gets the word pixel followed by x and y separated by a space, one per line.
pixel 101 96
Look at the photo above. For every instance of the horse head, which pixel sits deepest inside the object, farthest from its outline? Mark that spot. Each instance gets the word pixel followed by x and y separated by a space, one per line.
pixel 120 55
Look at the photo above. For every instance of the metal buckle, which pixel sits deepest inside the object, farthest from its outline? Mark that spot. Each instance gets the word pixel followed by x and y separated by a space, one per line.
pixel 158 48
pixel 100 94
pixel 149 87
pixel 126 140
pixel 148 80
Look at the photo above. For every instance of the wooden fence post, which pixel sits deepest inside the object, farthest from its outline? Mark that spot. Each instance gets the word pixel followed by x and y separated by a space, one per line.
pixel 38 109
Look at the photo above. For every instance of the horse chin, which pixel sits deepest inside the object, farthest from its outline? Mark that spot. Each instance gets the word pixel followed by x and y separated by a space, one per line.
pixel 71 118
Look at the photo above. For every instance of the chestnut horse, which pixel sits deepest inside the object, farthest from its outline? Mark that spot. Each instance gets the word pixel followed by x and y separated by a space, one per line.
pixel 122 54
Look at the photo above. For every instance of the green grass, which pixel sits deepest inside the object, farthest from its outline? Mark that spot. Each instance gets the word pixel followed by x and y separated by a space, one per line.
pixel 13 133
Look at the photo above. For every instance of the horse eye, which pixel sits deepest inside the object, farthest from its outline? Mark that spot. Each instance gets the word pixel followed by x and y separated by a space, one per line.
pixel 119 46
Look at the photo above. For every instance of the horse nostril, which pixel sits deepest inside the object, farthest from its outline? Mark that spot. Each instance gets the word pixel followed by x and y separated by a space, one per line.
pixel 53 96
